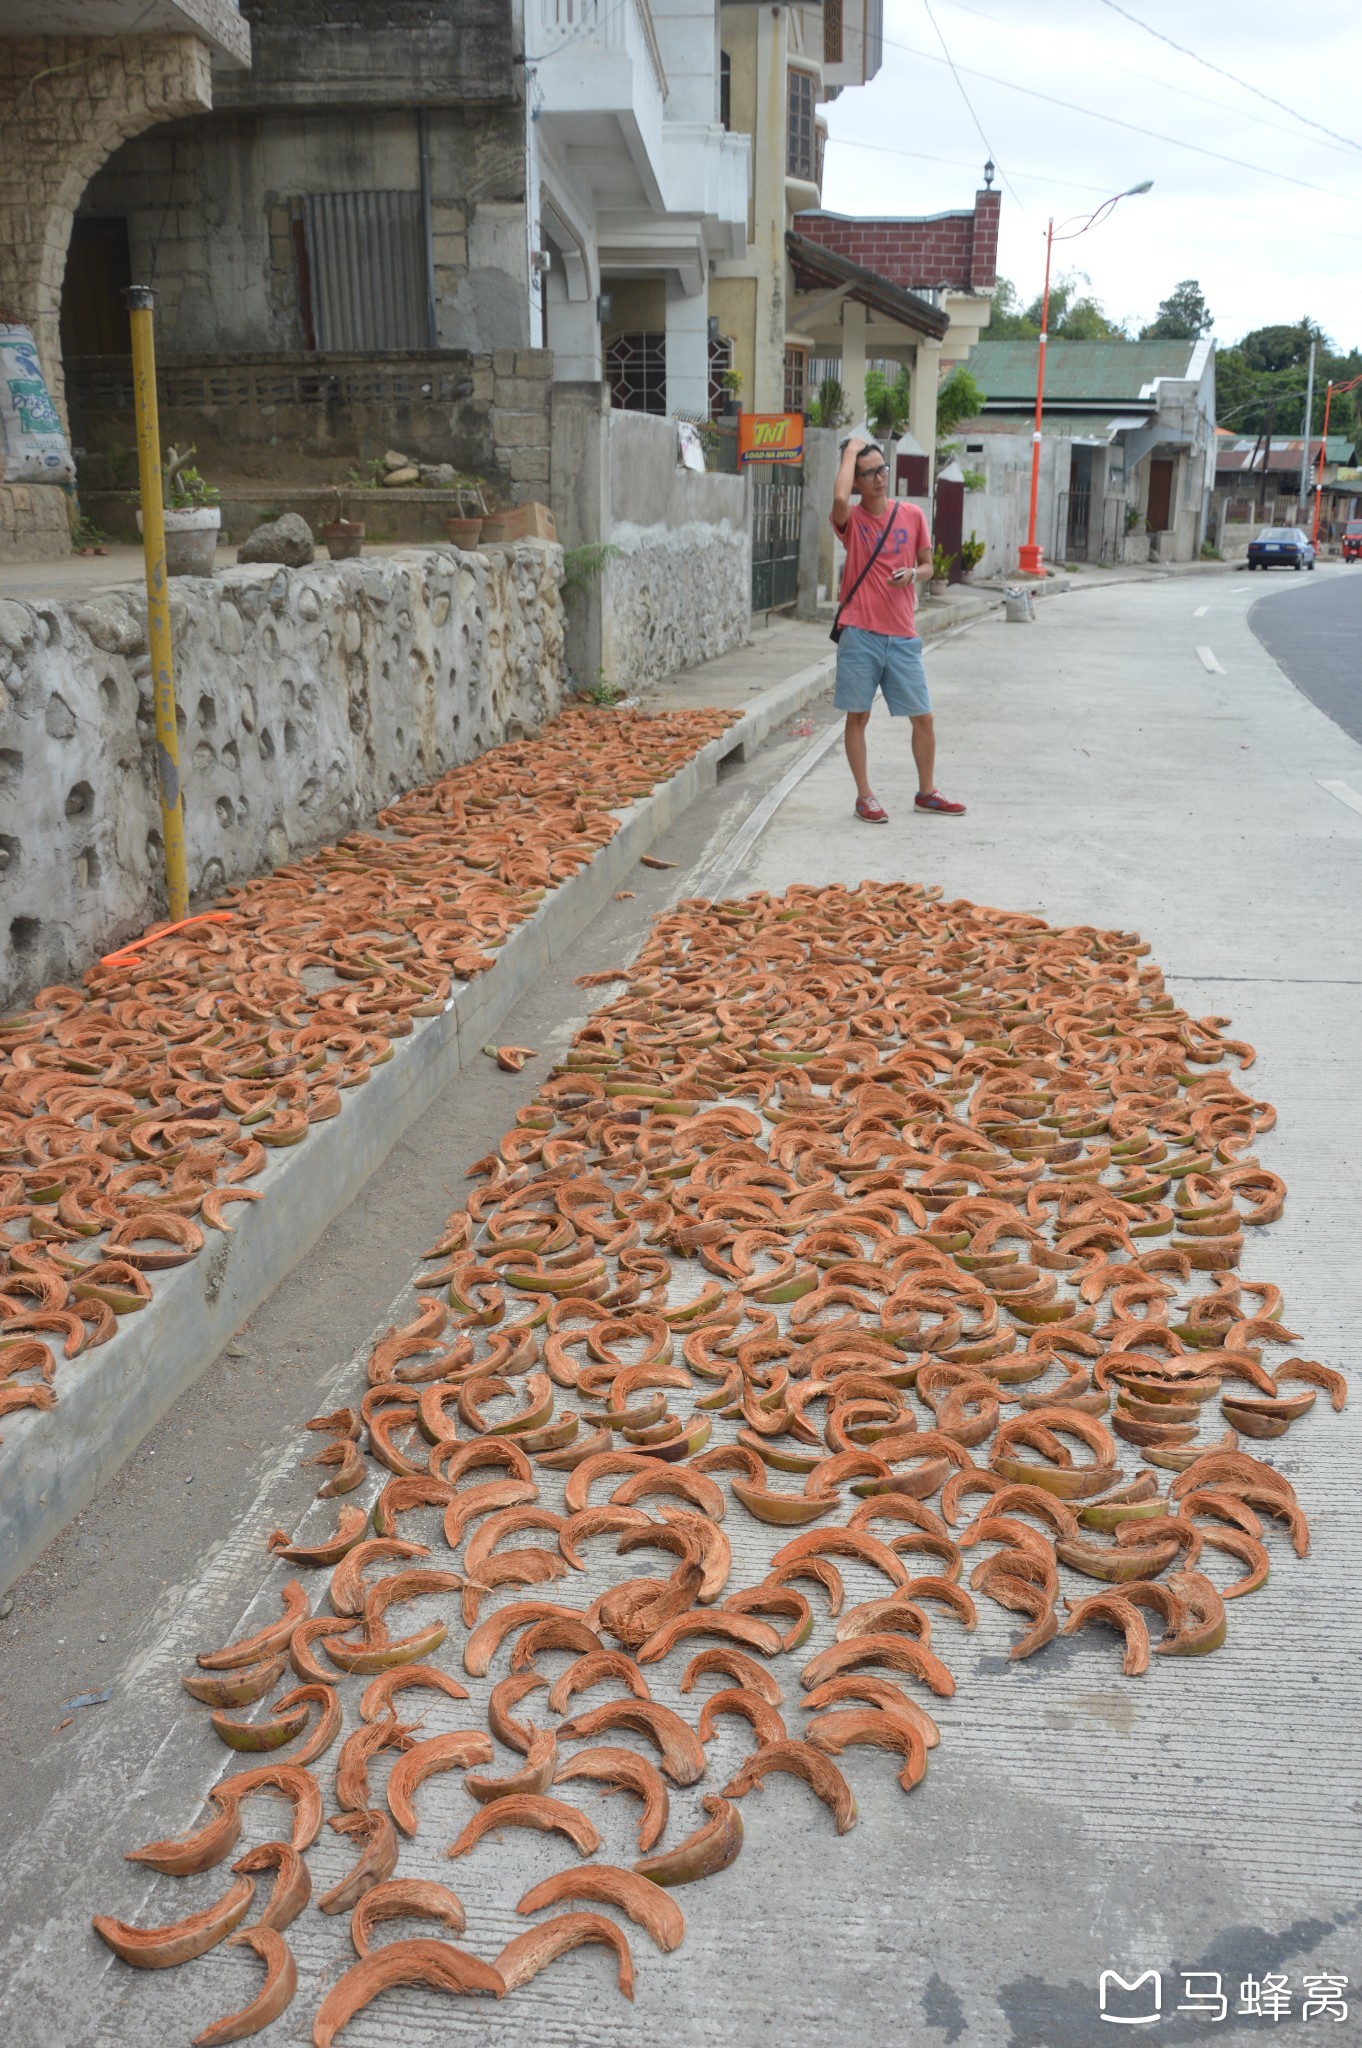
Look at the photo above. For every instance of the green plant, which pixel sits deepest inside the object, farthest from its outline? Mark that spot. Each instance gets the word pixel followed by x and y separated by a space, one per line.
pixel 941 564
pixel 1209 553
pixel 182 488
pixel 1133 518
pixel 975 480
pixel 972 552
pixel 731 382
pixel 887 405
pixel 600 692
pixel 86 534
pixel 829 408
pixel 368 476
pixel 582 571
pixel 960 397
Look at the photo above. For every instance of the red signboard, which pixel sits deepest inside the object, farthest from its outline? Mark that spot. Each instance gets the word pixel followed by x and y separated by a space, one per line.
pixel 770 437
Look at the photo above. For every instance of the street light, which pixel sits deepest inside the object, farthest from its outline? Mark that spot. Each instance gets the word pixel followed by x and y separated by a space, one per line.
pixel 1323 443
pixel 1031 556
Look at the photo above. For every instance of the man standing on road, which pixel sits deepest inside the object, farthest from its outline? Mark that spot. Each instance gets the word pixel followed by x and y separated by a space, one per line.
pixel 888 544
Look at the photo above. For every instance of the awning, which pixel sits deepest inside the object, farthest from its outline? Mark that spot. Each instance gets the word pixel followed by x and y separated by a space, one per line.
pixel 818 269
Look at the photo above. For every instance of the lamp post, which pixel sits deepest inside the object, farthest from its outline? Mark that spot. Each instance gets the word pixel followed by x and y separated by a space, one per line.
pixel 1032 556
pixel 1351 385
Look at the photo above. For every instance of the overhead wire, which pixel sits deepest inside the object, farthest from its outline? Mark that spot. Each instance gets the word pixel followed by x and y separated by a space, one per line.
pixel 1221 72
pixel 1112 121
pixel 1150 78
pixel 993 155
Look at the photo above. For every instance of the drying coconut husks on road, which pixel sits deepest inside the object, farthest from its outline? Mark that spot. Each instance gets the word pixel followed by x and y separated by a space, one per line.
pixel 875 1271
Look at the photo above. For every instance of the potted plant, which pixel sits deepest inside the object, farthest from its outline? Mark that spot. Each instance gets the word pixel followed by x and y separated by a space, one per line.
pixel 192 516
pixel 344 537
pixel 731 384
pixel 465 527
pixel 972 552
pixel 941 570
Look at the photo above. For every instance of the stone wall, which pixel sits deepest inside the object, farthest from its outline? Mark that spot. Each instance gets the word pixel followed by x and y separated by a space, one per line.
pixel 307 699
pixel 34 524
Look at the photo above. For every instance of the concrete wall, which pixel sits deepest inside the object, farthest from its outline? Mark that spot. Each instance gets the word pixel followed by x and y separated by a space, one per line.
pixel 394 52
pixel 308 698
pixel 679 590
pixel 208 204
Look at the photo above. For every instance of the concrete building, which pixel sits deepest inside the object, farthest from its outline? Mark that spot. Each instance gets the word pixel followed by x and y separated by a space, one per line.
pixel 1138 418
pixel 779 64
pixel 75 82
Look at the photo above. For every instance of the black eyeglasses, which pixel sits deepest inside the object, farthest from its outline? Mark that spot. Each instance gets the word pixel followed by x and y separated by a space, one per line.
pixel 868 475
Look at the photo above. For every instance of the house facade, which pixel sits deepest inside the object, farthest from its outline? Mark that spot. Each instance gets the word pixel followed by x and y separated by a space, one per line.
pixel 1132 425
pixel 75 83
pixel 779 65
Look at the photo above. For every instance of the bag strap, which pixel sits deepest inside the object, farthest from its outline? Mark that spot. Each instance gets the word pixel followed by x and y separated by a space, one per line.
pixel 843 602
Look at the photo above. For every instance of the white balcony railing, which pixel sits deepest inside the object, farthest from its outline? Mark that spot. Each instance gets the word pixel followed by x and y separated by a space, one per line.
pixel 602 24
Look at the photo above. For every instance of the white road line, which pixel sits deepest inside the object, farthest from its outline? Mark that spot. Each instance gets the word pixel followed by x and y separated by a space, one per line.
pixel 1208 661
pixel 1344 794
pixel 1201 611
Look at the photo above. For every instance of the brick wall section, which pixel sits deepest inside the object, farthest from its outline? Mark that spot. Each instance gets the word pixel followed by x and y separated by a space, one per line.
pixel 959 250
pixel 66 103
pixel 33 523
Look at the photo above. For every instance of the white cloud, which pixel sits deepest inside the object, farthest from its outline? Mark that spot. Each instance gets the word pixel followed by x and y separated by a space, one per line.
pixel 1263 248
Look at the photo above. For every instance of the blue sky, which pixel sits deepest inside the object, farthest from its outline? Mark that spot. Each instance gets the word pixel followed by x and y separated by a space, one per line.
pixel 1272 236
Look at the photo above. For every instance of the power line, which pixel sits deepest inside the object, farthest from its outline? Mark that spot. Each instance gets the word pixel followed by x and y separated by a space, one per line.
pixel 1149 78
pixel 1111 121
pixel 1221 72
pixel 966 98
pixel 1295 227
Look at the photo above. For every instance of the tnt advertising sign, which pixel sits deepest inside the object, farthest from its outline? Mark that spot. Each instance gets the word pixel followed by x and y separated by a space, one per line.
pixel 770 437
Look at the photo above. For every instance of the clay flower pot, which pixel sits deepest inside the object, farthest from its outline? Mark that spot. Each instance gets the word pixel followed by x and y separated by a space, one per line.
pixel 464 532
pixel 344 539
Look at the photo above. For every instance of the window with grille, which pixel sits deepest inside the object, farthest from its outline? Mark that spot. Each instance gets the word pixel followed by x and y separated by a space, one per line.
pixel 800 147
pixel 720 362
pixel 636 368
pixel 796 378
pixel 832 31
pixel 725 89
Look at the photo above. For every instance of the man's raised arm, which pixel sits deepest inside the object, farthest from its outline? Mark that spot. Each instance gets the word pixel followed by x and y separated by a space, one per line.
pixel 846 477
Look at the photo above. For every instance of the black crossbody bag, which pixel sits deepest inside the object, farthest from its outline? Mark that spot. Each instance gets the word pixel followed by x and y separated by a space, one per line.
pixel 842 602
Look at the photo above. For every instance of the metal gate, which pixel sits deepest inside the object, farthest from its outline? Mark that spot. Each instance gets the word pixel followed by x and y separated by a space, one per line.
pixel 777 505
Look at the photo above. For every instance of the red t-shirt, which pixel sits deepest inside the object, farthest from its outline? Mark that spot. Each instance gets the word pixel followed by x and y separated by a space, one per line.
pixel 880 606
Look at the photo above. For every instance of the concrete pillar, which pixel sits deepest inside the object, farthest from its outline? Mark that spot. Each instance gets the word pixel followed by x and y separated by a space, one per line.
pixel 581 508
pixel 926 374
pixel 770 212
pixel 853 358
pixel 687 350
pixel 572 330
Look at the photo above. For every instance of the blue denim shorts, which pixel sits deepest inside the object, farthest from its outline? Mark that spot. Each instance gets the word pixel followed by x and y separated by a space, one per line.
pixel 867 662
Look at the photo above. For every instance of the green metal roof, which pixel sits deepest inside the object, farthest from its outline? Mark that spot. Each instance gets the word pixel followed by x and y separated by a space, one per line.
pixel 1083 372
pixel 1082 426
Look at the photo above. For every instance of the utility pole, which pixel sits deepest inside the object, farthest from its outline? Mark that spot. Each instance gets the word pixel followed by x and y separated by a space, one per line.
pixel 1267 454
pixel 1305 437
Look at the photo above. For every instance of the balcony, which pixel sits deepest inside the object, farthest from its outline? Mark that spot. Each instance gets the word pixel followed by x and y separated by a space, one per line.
pixel 594 58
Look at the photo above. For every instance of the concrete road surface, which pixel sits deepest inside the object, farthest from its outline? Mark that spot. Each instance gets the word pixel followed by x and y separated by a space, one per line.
pixel 1135 758
pixel 1317 638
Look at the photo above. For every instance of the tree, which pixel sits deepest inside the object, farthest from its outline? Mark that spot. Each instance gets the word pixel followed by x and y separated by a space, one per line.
pixel 960 397
pixel 1075 315
pixel 1182 316
pixel 1282 348
pixel 886 404
pixel 1007 321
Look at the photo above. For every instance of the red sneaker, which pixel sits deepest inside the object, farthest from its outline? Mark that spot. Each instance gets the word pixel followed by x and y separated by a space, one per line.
pixel 934 801
pixel 871 810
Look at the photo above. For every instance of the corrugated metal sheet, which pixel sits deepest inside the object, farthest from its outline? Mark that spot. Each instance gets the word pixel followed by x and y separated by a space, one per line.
pixel 1107 372
pixel 368 270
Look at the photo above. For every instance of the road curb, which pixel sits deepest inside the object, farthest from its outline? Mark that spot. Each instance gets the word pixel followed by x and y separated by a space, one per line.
pixel 52 1464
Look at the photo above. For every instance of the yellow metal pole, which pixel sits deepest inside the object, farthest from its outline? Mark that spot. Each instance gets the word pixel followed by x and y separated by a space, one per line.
pixel 140 300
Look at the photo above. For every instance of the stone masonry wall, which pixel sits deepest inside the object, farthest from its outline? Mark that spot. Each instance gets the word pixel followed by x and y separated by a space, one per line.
pixel 307 699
